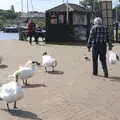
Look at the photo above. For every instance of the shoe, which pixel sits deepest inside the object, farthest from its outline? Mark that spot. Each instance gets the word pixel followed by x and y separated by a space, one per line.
pixel 95 74
pixel 106 76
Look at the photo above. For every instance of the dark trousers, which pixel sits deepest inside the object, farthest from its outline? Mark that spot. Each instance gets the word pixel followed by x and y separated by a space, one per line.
pixel 30 35
pixel 99 50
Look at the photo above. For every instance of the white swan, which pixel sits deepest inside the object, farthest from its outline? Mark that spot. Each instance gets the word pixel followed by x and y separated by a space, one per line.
pixel 26 72
pixel 48 61
pixel 11 92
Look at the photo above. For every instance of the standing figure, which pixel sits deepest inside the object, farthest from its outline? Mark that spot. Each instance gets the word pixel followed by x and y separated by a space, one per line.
pixel 98 39
pixel 32 31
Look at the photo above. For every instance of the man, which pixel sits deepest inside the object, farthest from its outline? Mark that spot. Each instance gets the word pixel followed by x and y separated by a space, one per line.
pixel 98 38
pixel 31 31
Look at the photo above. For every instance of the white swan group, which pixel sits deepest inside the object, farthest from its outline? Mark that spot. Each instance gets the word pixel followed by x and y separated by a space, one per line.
pixel 11 92
pixel 48 61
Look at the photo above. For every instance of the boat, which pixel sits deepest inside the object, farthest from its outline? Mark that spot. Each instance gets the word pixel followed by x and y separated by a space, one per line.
pixel 10 29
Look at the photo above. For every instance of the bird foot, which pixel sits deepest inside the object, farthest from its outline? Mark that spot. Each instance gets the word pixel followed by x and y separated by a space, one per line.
pixel 15 107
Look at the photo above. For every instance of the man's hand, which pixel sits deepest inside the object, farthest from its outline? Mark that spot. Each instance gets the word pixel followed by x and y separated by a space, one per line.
pixel 89 49
pixel 110 47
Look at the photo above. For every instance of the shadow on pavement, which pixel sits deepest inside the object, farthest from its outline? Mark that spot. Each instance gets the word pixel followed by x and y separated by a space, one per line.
pixel 56 72
pixel 3 66
pixel 34 85
pixel 23 114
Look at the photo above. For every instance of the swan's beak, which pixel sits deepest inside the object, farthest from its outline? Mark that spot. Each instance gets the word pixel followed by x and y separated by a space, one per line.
pixel 36 62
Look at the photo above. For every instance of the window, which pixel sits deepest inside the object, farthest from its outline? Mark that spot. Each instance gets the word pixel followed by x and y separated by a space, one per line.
pixel 53 19
pixel 79 19
pixel 61 19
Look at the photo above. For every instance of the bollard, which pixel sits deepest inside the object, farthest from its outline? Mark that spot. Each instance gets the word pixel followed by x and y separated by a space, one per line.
pixel 21 35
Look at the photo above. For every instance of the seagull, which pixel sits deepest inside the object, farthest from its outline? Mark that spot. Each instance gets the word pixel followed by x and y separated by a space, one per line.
pixel 11 92
pixel 48 61
pixel 26 72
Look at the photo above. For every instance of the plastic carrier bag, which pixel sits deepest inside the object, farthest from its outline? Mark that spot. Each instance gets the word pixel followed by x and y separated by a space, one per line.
pixel 112 57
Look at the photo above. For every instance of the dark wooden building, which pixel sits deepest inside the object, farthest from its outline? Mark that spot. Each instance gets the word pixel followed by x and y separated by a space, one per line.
pixel 63 26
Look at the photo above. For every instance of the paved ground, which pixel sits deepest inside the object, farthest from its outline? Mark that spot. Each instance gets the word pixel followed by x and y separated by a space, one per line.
pixel 71 93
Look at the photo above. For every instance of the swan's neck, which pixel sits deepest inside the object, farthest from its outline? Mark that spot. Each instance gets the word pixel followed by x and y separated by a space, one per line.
pixel 33 68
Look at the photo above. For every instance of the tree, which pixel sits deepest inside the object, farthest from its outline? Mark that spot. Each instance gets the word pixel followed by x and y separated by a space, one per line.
pixel 94 4
pixel 118 13
pixel 12 8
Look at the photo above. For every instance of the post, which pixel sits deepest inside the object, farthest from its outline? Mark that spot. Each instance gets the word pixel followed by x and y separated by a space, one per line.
pixel 67 13
pixel 116 24
pixel 22 6
pixel 21 37
pixel 28 8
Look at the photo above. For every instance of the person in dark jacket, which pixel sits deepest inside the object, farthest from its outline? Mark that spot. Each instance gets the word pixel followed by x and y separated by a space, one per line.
pixel 98 39
pixel 32 31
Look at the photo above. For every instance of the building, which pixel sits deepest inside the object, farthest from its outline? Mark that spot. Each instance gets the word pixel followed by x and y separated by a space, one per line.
pixel 33 14
pixel 66 23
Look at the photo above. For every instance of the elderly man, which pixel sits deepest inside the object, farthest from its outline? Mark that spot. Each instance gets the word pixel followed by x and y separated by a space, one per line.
pixel 98 39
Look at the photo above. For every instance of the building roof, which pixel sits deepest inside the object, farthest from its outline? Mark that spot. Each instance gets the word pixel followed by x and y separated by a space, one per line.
pixel 71 7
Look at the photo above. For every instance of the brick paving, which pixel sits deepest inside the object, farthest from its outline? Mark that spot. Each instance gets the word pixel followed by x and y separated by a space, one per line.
pixel 71 93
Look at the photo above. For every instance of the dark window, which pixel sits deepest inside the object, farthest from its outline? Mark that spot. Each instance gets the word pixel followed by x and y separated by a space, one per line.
pixel 53 19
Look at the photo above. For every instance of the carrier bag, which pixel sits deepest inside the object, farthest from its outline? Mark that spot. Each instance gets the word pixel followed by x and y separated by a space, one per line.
pixel 112 57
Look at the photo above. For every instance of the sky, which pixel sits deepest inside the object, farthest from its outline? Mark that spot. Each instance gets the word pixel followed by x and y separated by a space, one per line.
pixel 37 5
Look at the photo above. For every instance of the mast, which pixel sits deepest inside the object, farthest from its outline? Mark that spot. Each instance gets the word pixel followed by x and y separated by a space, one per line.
pixel 22 6
pixel 28 8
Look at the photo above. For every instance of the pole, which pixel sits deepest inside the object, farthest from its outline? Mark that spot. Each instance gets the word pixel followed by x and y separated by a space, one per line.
pixel 32 5
pixel 21 37
pixel 67 13
pixel 22 6
pixel 28 8
pixel 116 24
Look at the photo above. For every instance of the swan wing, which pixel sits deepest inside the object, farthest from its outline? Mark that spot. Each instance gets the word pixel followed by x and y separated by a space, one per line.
pixel 11 92
pixel 26 72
